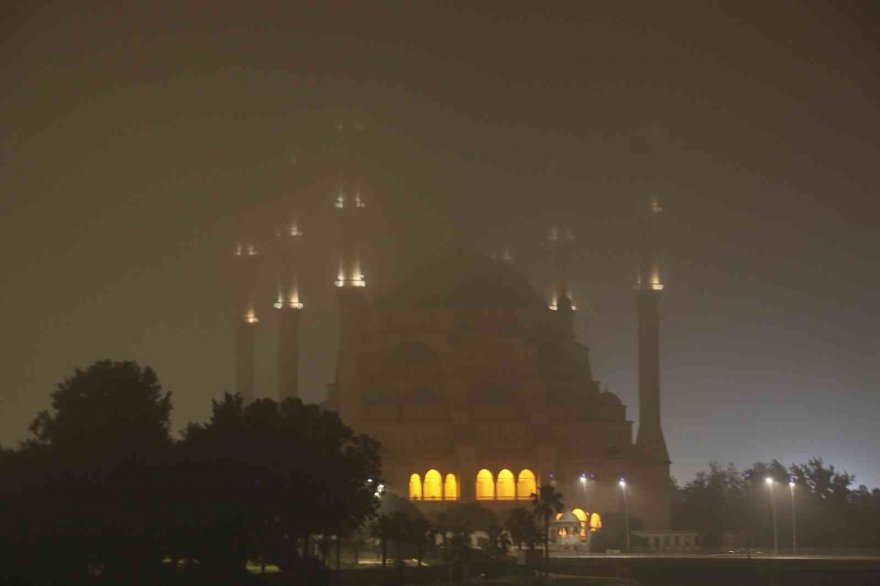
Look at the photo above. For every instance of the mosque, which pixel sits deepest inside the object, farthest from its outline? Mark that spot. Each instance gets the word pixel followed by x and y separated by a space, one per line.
pixel 474 384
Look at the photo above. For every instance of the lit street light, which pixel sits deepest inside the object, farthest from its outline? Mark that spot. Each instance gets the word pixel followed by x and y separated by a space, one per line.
pixel 625 512
pixel 793 519
pixel 771 483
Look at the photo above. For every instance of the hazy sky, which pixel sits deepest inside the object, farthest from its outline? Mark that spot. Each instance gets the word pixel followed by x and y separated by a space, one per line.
pixel 138 138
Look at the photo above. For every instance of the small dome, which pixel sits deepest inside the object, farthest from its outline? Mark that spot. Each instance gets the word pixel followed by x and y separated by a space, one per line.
pixel 568 517
pixel 609 399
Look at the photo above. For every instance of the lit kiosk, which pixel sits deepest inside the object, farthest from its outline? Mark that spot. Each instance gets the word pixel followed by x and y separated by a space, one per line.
pixel 244 317
pixel 288 309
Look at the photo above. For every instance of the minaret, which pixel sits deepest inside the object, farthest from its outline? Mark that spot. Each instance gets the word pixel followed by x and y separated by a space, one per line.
pixel 560 242
pixel 350 280
pixel 650 441
pixel 288 308
pixel 244 317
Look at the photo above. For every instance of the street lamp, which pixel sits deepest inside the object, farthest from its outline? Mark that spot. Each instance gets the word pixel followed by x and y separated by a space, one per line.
pixel 793 519
pixel 771 483
pixel 622 484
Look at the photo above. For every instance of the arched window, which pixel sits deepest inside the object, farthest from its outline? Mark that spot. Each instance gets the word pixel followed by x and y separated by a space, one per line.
pixel 506 489
pixel 432 490
pixel 485 485
pixel 450 489
pixel 525 484
pixel 415 486
pixel 582 517
pixel 595 522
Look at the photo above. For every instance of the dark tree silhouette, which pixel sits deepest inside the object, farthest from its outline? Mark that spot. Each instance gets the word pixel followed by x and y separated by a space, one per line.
pixel 520 524
pixel 111 409
pixel 547 502
pixel 285 471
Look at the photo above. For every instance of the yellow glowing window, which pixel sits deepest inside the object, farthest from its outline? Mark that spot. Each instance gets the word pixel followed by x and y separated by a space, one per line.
pixel 525 484
pixel 415 487
pixel 432 489
pixel 485 485
pixel 558 516
pixel 506 488
pixel 595 522
pixel 582 517
pixel 450 489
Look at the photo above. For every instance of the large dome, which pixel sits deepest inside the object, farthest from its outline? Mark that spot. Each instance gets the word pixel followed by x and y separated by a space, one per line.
pixel 464 280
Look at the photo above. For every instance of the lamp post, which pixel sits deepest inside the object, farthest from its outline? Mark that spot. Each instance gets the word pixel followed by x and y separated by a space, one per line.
pixel 586 522
pixel 771 483
pixel 793 518
pixel 622 484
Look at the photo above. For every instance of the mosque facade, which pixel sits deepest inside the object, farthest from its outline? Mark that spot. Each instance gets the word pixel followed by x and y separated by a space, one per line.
pixel 474 384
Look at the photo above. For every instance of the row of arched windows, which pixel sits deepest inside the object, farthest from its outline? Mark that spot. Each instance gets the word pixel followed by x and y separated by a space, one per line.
pixel 505 487
pixel 434 487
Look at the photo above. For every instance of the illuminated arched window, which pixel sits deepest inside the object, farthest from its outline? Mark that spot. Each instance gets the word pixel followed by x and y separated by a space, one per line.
pixel 450 489
pixel 506 489
pixel 582 517
pixel 432 489
pixel 525 484
pixel 415 487
pixel 595 522
pixel 485 485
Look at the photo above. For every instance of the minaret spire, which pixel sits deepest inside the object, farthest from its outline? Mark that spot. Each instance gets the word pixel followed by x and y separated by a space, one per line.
pixel 288 308
pixel 351 277
pixel 560 241
pixel 244 316
pixel 650 440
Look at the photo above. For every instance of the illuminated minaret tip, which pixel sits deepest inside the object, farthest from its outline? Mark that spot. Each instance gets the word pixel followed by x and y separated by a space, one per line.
pixel 650 440
pixel 350 201
pixel 288 307
pixel 245 317
pixel 560 242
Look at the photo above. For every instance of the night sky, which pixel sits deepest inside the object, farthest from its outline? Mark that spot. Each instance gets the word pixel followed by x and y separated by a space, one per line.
pixel 140 138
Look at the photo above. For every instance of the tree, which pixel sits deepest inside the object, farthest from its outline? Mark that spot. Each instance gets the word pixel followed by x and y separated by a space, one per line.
pixel 110 409
pixel 520 524
pixel 288 470
pixel 420 532
pixel 84 490
pixel 465 518
pixel 547 503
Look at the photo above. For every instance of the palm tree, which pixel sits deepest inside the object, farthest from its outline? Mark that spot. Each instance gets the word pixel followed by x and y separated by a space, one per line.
pixel 547 503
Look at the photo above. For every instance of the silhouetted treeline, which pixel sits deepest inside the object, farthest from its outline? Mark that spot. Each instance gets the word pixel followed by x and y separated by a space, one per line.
pixel 829 512
pixel 102 491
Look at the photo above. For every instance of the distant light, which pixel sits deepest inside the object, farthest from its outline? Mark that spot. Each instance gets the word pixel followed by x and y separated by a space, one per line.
pixel 583 478
pixel 251 250
pixel 769 481
pixel 250 317
pixel 340 200
pixel 791 483
pixel 655 205
pixel 622 483
pixel 294 230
